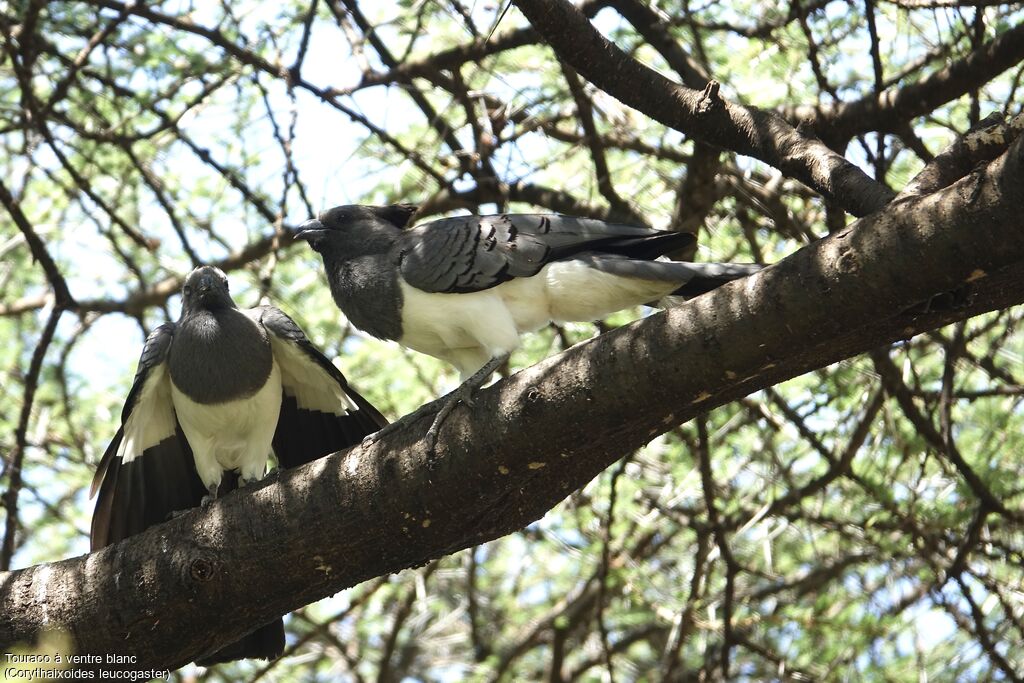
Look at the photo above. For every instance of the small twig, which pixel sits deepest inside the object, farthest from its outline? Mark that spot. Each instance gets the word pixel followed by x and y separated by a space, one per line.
pixel 603 571
pixel 731 566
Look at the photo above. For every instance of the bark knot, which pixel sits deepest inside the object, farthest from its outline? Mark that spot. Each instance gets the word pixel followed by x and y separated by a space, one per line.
pixel 202 569
pixel 709 98
pixel 846 262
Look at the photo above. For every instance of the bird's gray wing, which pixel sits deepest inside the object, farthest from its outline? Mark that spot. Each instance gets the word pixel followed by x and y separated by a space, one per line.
pixel 473 253
pixel 320 412
pixel 147 471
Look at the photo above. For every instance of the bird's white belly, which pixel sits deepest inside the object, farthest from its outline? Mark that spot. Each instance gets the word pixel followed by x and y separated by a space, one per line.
pixel 577 292
pixel 469 329
pixel 466 330
pixel 235 435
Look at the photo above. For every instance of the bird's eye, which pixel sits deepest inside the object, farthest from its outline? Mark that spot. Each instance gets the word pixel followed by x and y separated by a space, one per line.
pixel 187 290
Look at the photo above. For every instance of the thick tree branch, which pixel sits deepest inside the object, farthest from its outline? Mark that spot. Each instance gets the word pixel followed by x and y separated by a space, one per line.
pixel 705 116
pixel 982 143
pixel 531 439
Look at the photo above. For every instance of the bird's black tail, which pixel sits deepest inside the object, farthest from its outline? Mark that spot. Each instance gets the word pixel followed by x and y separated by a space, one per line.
pixel 708 276
pixel 266 642
pixel 146 491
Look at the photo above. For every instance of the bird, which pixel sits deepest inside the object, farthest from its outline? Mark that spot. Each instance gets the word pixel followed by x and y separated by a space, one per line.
pixel 213 395
pixel 464 289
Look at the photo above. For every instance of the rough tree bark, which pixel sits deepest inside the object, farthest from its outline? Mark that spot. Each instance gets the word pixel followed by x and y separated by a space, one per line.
pixel 187 587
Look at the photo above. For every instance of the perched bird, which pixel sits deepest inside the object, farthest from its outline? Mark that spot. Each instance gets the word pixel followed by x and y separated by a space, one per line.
pixel 214 393
pixel 464 289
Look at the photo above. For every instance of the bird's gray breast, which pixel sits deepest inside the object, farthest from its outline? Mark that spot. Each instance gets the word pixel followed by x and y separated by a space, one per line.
pixel 367 292
pixel 220 356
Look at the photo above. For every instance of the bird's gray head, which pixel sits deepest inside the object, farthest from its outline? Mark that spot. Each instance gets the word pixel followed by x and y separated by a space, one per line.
pixel 354 230
pixel 206 288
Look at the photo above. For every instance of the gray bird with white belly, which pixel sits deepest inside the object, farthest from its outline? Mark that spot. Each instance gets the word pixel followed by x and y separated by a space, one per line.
pixel 464 289
pixel 214 394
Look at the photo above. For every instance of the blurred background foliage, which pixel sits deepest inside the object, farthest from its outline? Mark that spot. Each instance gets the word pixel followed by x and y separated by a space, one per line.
pixel 819 530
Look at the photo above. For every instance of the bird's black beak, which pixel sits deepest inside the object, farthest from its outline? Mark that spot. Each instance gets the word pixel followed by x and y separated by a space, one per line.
pixel 308 230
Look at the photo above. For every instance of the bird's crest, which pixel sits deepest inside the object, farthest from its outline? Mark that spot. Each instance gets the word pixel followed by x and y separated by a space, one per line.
pixel 397 214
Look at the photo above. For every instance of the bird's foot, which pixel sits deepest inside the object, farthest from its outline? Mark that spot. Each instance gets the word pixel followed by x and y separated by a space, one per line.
pixel 462 394
pixel 203 503
pixel 370 439
pixel 244 481
pixel 944 301
pixel 211 495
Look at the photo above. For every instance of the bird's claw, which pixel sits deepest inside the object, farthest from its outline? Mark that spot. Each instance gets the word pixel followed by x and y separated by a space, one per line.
pixel 211 495
pixel 370 439
pixel 462 394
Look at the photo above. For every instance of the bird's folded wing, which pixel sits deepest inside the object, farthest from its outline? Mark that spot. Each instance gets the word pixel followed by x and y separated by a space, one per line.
pixel 320 412
pixel 473 253
pixel 147 471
